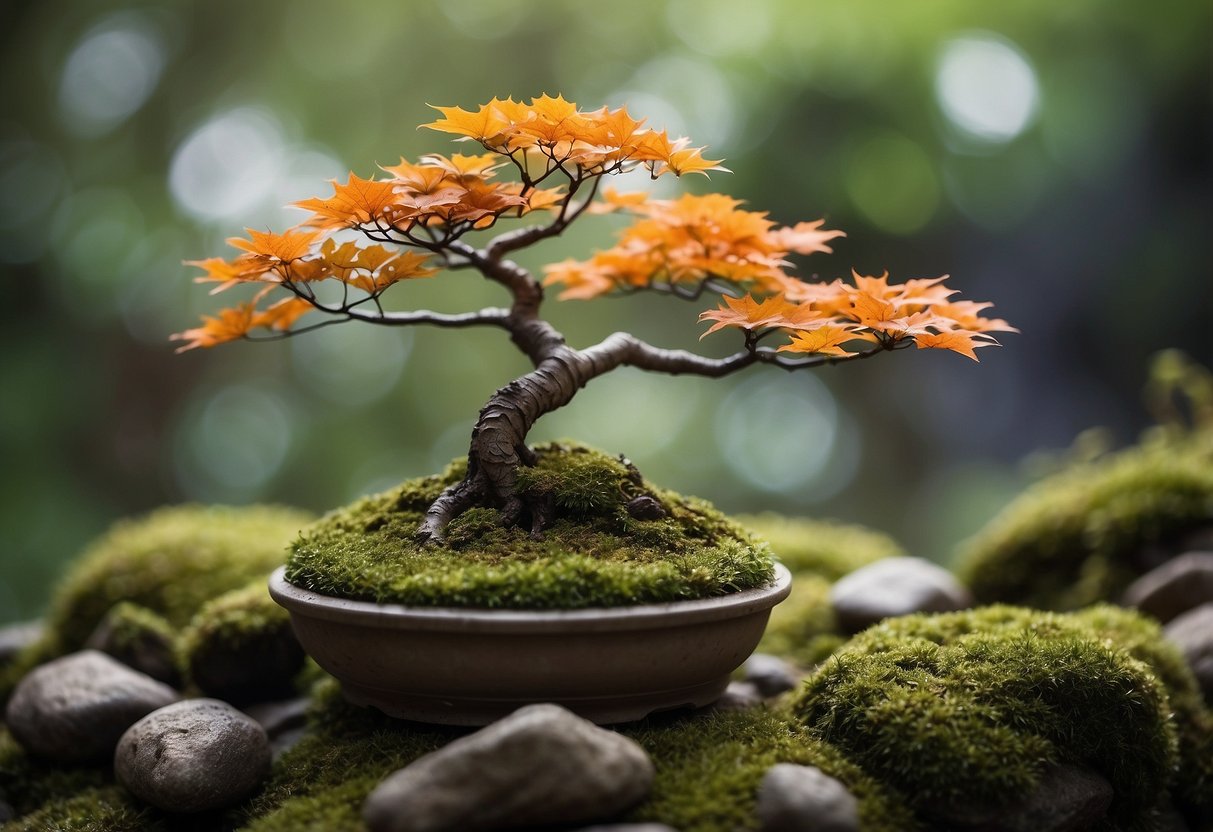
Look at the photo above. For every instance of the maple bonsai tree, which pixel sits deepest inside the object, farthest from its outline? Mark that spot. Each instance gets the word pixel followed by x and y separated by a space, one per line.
pixel 416 221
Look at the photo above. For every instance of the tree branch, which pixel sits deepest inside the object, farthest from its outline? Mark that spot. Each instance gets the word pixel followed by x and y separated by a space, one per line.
pixel 622 348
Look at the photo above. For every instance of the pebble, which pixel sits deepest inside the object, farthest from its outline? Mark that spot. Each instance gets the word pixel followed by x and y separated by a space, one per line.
pixel 193 756
pixel 541 765
pixel 893 587
pixel 738 696
pixel 1067 798
pixel 74 709
pixel 1173 588
pixel 1192 633
pixel 793 797
pixel 771 675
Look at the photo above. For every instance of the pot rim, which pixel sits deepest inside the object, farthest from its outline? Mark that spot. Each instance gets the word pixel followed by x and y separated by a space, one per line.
pixel 346 611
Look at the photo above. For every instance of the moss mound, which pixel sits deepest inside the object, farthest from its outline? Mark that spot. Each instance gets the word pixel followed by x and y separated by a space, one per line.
pixel 171 562
pixel 1077 537
pixel 240 647
pixel 971 706
pixel 594 553
pixel 817 552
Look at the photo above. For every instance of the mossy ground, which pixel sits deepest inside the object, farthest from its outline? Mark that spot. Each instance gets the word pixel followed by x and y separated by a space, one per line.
pixel 594 553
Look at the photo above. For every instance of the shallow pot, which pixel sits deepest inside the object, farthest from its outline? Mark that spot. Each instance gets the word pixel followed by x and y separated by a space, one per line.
pixel 472 666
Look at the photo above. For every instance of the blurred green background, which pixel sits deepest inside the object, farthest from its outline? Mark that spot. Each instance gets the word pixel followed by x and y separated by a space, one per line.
pixel 1053 157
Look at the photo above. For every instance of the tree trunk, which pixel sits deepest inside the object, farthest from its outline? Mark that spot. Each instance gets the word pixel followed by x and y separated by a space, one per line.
pixel 498 444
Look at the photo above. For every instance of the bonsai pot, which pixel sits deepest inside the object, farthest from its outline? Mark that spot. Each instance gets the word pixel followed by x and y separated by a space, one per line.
pixel 472 666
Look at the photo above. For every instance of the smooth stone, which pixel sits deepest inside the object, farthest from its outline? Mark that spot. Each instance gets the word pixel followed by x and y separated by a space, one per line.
pixel 16 637
pixel 793 797
pixel 1180 584
pixel 738 696
pixel 148 651
pixel 1068 798
pixel 1192 633
pixel 193 756
pixel 541 765
pixel 893 587
pixel 771 675
pixel 74 709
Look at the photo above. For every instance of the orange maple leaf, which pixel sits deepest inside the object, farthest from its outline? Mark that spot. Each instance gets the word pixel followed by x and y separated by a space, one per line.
pixel 283 248
pixel 824 339
pixel 356 202
pixel 955 340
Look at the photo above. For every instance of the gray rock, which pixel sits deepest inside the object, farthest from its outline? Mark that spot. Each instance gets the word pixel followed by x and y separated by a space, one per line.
pixel 74 709
pixel 1175 587
pixel 1068 798
pixel 16 637
pixel 1192 633
pixel 147 649
pixel 892 587
pixel 541 765
pixel 771 675
pixel 793 798
pixel 193 756
pixel 738 696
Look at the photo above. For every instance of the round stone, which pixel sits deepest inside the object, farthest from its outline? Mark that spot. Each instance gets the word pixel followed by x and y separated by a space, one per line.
pixel 193 756
pixel 894 587
pixel 74 709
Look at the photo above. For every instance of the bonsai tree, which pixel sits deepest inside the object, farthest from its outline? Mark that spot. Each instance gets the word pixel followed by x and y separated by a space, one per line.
pixel 419 219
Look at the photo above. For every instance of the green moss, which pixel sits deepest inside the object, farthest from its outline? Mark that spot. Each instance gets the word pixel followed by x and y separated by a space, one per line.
pixel 1073 539
pixel 820 547
pixel 709 767
pixel 971 706
pixel 171 562
pixel 803 628
pixel 594 553
pixel 337 809
pixel 102 809
pixel 27 783
pixel 346 752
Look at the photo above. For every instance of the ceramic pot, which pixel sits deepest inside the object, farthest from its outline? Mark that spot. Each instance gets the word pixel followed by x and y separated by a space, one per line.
pixel 472 666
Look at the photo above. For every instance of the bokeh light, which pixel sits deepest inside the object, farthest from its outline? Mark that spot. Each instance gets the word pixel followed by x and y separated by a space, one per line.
pixel 986 87
pixel 110 74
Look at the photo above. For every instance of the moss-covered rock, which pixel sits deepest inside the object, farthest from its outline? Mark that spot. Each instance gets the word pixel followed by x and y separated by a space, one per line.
pixel 139 638
pixel 98 809
pixel 240 647
pixel 970 707
pixel 803 627
pixel 171 562
pixel 1081 535
pixel 594 552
